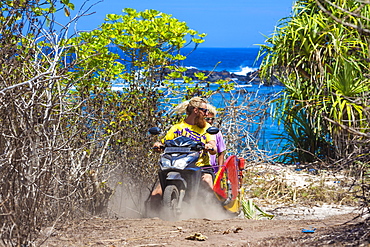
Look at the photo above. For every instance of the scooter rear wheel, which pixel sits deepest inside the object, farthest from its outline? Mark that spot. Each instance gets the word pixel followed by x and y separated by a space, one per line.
pixel 170 202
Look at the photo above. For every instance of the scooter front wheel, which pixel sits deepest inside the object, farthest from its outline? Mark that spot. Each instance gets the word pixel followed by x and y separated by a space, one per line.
pixel 170 202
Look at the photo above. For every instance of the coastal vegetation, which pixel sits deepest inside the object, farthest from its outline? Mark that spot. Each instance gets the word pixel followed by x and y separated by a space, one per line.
pixel 68 141
pixel 325 68
pixel 321 55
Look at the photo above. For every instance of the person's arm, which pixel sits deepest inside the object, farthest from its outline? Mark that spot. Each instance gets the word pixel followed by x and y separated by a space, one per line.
pixel 220 159
pixel 169 136
pixel 221 147
pixel 211 147
pixel 159 144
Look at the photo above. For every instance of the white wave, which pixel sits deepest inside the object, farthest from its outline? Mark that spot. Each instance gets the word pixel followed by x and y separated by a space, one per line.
pixel 117 88
pixel 242 86
pixel 191 67
pixel 245 70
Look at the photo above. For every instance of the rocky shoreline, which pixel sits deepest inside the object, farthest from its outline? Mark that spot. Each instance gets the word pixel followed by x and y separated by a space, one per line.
pixel 249 78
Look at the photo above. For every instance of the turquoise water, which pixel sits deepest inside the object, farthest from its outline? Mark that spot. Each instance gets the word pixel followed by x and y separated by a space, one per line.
pixel 267 136
pixel 240 61
pixel 235 60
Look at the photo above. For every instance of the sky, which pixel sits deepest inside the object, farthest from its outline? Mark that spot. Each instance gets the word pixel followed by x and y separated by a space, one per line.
pixel 228 24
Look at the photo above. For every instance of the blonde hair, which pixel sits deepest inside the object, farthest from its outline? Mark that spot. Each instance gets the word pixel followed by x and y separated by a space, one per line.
pixel 212 109
pixel 189 105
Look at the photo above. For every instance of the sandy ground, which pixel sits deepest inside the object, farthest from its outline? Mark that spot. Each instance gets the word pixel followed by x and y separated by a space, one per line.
pixel 331 225
pixel 329 231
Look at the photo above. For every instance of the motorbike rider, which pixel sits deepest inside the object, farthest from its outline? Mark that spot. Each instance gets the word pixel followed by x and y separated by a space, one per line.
pixel 194 126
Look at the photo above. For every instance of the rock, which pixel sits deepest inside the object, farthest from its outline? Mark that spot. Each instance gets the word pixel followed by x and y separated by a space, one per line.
pixel 251 77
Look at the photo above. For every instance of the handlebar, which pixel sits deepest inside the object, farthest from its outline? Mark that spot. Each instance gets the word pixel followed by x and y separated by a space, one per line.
pixel 157 149
pixel 161 148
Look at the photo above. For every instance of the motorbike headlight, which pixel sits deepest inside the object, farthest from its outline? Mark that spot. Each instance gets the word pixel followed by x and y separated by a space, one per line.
pixel 180 164
pixel 165 163
pixel 187 160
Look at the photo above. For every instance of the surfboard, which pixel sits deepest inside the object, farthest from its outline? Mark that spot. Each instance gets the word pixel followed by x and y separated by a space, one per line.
pixel 227 184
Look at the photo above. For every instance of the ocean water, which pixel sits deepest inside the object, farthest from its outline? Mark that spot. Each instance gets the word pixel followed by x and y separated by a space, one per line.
pixel 236 60
pixel 240 61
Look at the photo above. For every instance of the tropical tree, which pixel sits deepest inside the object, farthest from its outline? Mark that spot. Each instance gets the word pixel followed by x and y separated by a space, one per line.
pixel 323 65
pixel 137 52
pixel 64 131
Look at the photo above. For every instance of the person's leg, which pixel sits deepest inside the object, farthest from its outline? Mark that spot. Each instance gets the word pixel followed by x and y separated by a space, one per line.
pixel 157 190
pixel 208 179
pixel 154 201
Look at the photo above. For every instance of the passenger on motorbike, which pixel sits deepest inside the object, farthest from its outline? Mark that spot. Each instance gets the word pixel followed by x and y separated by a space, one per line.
pixel 194 126
pixel 217 160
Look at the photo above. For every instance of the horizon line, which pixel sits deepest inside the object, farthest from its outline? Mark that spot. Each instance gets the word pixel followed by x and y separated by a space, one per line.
pixel 241 47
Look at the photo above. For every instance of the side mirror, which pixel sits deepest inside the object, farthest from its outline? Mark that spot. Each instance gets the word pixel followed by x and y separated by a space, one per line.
pixel 212 130
pixel 154 131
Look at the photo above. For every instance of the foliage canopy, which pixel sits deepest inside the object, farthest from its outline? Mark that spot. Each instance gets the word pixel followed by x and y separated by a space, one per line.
pixel 325 68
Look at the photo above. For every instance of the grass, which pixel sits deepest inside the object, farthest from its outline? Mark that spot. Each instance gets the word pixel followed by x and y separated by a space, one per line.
pixel 252 211
pixel 283 185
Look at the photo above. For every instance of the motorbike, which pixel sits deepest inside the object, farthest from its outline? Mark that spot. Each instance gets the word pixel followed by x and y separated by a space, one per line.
pixel 179 176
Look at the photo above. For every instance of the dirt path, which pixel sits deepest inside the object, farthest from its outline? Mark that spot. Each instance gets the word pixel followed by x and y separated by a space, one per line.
pixel 228 232
pixel 284 230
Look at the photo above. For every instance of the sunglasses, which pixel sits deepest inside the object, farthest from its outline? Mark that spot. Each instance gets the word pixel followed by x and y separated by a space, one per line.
pixel 209 119
pixel 205 111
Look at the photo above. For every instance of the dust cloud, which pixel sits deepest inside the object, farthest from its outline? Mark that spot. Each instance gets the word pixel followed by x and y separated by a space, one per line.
pixel 130 202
